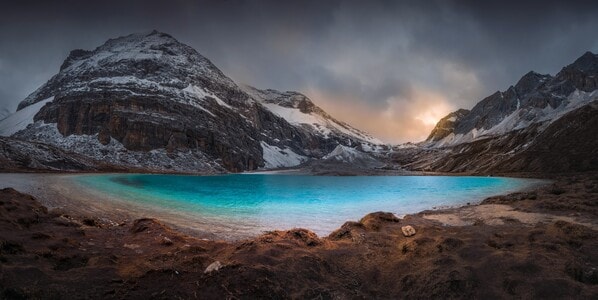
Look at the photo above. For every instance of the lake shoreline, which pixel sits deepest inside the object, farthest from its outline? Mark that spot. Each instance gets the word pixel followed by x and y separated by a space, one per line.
pixel 67 192
pixel 478 258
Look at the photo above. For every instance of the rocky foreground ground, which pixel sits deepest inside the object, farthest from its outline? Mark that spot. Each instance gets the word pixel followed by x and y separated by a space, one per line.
pixel 537 244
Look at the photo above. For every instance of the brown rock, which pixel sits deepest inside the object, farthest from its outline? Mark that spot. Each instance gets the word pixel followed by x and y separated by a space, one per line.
pixel 408 230
pixel 374 221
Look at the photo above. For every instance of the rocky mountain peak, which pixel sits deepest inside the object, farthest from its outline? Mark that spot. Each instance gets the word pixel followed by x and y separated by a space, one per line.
pixel 588 62
pixel 582 74
pixel 139 59
pixel 447 125
pixel 531 81
pixel 138 41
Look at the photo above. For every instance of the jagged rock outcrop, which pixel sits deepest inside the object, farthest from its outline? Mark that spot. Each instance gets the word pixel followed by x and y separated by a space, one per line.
pixel 147 100
pixel 446 125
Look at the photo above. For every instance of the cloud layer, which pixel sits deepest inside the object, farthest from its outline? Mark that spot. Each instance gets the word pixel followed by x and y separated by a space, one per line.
pixel 391 68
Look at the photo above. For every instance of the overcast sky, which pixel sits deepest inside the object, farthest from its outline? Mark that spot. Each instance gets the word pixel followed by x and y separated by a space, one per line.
pixel 391 68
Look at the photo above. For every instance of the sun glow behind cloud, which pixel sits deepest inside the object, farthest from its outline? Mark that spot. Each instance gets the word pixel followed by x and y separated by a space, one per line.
pixel 403 120
pixel 407 112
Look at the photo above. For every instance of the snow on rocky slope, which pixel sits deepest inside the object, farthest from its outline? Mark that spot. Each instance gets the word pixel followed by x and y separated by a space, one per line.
pixel 19 155
pixel 133 63
pixel 522 118
pixel 4 112
pixel 276 157
pixel 345 154
pixel 21 119
pixel 345 160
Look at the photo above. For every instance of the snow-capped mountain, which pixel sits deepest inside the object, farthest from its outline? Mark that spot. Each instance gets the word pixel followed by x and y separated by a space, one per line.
pixel 146 100
pixel 535 99
pixel 510 130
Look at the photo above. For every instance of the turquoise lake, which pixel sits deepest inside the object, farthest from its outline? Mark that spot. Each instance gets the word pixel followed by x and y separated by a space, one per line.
pixel 259 202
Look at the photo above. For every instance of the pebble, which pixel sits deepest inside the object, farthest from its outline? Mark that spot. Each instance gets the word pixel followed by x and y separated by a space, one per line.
pixel 166 241
pixel 131 246
pixel 215 266
pixel 408 230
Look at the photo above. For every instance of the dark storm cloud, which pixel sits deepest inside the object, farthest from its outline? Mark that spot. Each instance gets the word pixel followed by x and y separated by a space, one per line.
pixel 390 67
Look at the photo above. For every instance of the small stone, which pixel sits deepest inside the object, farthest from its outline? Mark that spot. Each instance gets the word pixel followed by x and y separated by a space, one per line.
pixel 408 230
pixel 131 246
pixel 215 266
pixel 166 241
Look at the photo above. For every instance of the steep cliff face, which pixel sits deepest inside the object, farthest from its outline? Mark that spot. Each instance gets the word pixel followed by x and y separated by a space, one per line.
pixel 147 100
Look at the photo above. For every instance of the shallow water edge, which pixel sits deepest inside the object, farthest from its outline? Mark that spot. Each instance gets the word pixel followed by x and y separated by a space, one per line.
pixel 67 192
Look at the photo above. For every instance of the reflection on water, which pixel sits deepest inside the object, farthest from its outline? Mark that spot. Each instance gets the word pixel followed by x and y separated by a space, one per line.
pixel 132 182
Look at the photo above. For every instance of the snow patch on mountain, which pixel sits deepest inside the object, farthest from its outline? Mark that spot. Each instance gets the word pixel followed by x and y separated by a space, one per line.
pixel 4 112
pixel 295 117
pixel 373 148
pixel 201 93
pixel 275 157
pixel 21 119
pixel 345 154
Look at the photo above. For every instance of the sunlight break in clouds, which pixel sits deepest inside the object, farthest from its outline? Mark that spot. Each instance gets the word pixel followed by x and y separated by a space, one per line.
pixel 403 120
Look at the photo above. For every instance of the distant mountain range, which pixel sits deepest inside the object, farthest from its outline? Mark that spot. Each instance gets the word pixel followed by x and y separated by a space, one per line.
pixel 148 102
